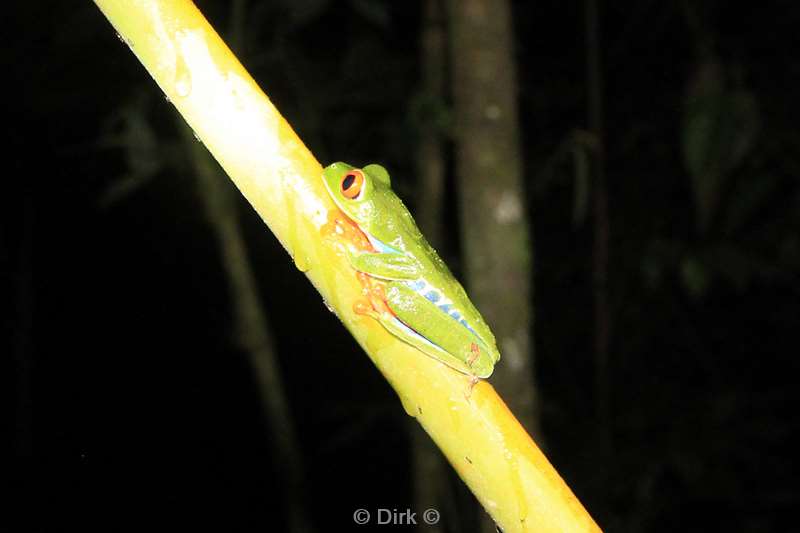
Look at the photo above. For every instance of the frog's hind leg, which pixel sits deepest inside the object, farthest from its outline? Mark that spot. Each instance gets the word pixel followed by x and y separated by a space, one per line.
pixel 436 333
pixel 400 330
pixel 408 335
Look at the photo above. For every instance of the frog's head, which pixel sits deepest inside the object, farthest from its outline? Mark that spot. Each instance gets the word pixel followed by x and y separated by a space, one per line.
pixel 359 192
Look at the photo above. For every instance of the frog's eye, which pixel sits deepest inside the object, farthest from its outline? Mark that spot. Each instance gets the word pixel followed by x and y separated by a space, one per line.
pixel 352 183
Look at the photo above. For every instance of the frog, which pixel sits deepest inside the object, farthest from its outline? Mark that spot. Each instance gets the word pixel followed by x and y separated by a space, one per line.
pixel 409 289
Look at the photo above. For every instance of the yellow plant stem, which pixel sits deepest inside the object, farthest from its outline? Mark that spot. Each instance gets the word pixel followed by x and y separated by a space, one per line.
pixel 282 180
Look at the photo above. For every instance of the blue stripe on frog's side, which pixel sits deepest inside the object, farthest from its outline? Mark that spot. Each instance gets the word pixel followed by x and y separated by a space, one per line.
pixel 421 287
pixel 444 303
pixel 380 246
pixel 417 285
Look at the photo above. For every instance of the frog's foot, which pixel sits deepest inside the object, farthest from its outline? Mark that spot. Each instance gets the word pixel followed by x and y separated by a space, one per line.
pixel 373 308
pixel 377 297
pixel 475 352
pixel 373 293
pixel 365 282
pixel 334 227
pixel 363 307
pixel 472 382
pixel 343 232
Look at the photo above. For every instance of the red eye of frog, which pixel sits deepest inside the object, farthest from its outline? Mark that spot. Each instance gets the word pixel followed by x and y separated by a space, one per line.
pixel 352 183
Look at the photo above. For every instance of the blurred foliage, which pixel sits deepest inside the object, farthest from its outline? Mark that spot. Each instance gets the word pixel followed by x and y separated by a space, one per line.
pixel 577 148
pixel 734 190
pixel 719 131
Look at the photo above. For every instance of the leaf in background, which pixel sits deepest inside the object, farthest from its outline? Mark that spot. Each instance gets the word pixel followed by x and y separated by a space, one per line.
pixel 375 11
pixel 745 121
pixel 719 130
pixel 303 11
pixel 660 257
pixel 750 194
pixel 429 111
pixel 694 276
pixel 735 265
pixel 139 140
pixel 652 270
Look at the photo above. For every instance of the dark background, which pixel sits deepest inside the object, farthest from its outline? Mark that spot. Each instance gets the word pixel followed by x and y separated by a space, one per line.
pixel 127 407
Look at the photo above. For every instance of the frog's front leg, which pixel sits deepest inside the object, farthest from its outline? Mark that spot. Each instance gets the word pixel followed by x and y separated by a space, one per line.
pixel 384 265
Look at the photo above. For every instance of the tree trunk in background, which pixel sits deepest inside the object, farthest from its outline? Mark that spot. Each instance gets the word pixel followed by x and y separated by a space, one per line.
pixel 430 471
pixel 494 224
pixel 252 330
pixel 600 213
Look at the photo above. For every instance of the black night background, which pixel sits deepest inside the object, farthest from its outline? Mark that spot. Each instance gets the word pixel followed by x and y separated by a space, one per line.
pixel 129 405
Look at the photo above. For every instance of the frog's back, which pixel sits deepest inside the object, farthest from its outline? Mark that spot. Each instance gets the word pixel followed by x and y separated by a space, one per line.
pixel 437 283
pixel 439 286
